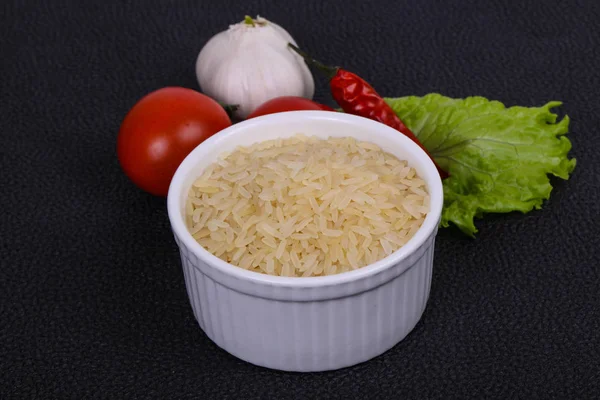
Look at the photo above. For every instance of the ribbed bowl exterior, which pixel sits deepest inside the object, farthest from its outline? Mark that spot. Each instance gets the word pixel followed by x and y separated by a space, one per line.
pixel 332 328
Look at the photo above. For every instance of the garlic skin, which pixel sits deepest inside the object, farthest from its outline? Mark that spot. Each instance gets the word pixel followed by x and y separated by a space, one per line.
pixel 250 63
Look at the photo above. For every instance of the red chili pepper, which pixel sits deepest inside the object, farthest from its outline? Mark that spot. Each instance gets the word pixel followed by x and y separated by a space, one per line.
pixel 356 96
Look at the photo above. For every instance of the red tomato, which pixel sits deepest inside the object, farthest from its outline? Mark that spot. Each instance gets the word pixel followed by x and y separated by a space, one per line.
pixel 161 130
pixel 287 103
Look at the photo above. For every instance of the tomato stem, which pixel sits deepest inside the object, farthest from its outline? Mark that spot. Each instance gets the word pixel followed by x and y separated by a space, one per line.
pixel 230 109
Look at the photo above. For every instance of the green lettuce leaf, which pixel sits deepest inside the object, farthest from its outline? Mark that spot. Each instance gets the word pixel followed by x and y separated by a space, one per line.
pixel 498 158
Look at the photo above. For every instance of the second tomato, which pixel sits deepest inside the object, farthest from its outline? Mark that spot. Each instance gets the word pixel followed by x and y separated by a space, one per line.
pixel 287 103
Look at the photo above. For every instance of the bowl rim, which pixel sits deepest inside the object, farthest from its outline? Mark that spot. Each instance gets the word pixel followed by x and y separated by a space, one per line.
pixel 181 231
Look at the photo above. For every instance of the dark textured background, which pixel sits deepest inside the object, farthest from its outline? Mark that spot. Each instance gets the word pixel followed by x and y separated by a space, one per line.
pixel 92 297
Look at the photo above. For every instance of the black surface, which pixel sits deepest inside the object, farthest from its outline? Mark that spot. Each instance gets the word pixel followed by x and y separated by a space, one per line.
pixel 92 298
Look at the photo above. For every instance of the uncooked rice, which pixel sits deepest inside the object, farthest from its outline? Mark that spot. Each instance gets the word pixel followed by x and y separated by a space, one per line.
pixel 305 206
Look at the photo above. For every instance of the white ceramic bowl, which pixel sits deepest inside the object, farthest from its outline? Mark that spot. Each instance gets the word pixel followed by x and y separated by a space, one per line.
pixel 313 323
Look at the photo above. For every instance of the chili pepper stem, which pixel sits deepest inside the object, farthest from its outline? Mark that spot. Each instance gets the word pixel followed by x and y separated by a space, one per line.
pixel 327 69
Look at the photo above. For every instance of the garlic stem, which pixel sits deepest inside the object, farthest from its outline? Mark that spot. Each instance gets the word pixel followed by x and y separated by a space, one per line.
pixel 249 20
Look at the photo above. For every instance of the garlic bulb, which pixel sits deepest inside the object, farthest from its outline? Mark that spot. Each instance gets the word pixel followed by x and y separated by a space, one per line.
pixel 250 63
